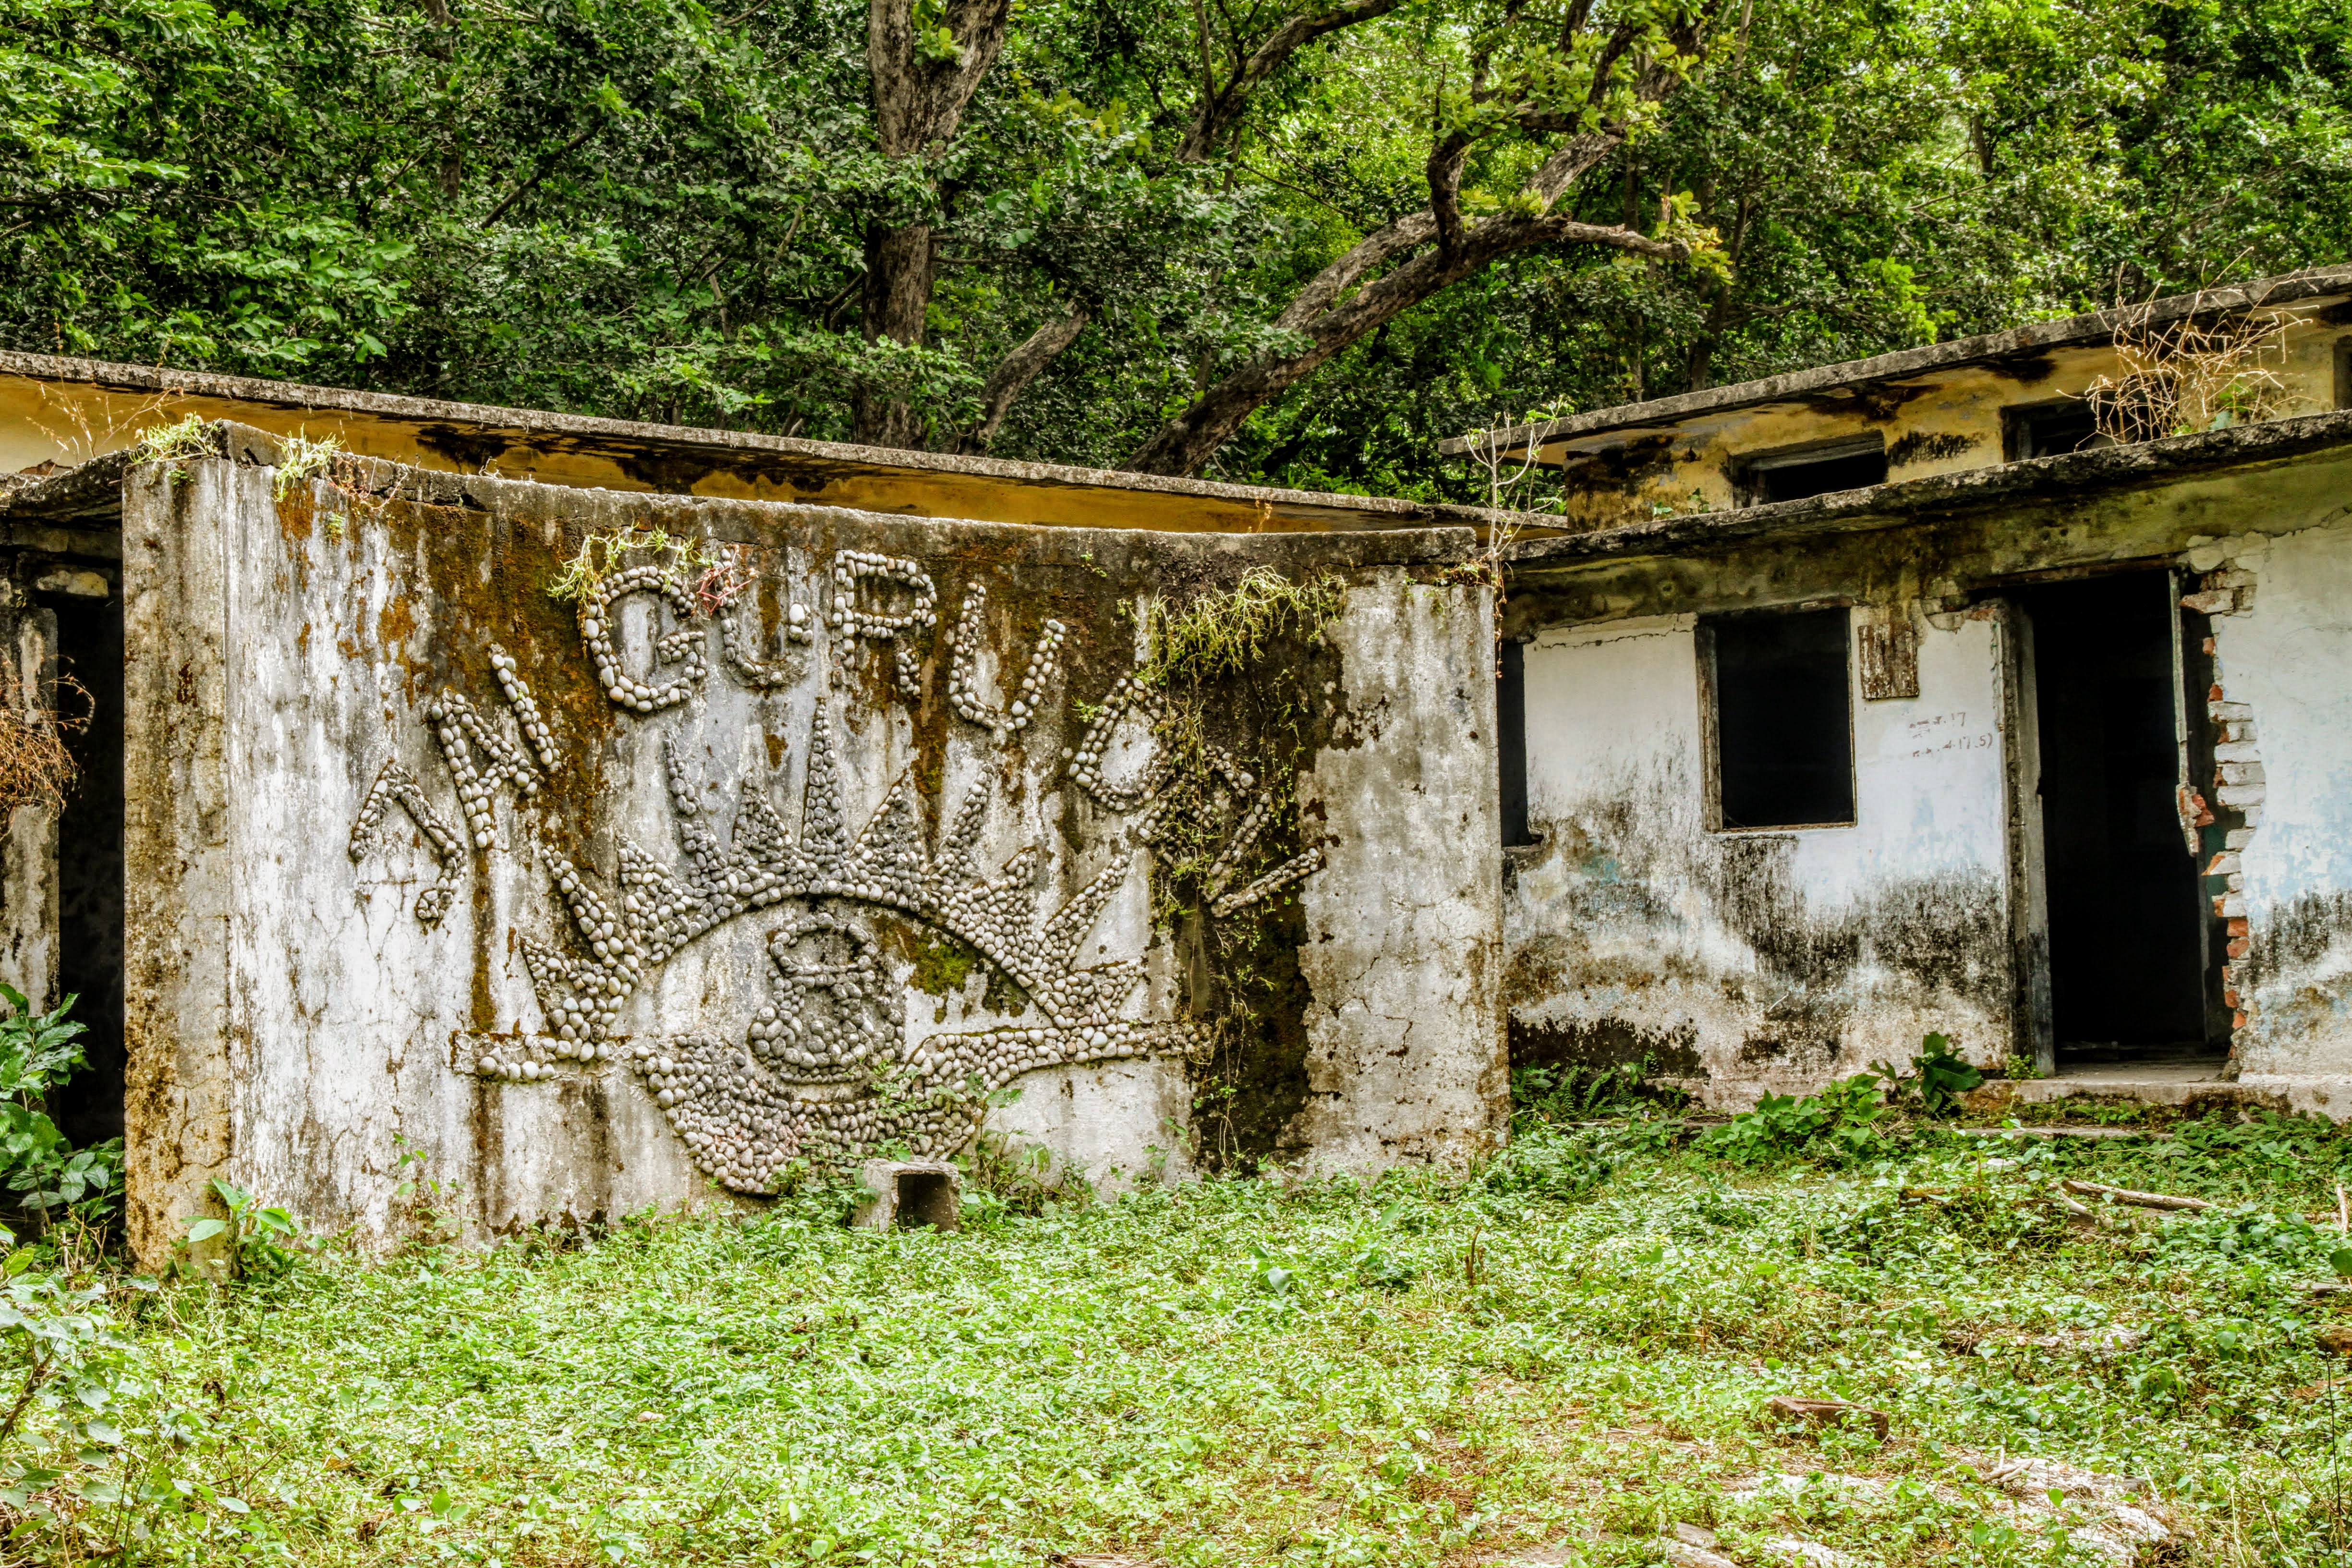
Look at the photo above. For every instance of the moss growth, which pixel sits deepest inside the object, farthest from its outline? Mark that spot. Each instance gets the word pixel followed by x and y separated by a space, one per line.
pixel 944 964
pixel 1242 669
pixel 601 554
pixel 1226 632
pixel 301 460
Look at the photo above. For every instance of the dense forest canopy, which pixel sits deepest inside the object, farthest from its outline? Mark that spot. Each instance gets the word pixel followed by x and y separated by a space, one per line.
pixel 1294 241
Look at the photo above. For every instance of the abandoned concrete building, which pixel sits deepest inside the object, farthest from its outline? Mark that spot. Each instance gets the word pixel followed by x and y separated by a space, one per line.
pixel 587 816
pixel 1899 696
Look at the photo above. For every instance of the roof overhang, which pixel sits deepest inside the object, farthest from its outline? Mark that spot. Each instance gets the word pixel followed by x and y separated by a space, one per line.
pixel 68 411
pixel 1604 427
pixel 1970 492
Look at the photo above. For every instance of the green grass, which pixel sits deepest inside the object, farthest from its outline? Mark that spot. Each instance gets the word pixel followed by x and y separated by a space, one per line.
pixel 1431 1371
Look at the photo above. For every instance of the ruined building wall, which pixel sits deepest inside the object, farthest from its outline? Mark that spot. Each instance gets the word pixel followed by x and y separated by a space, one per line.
pixel 1755 962
pixel 2281 614
pixel 586 908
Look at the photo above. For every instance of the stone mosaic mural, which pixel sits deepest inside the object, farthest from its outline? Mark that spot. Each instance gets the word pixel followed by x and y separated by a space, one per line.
pixel 827 1071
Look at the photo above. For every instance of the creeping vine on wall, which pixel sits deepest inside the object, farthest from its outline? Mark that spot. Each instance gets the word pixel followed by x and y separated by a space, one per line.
pixel 1236 673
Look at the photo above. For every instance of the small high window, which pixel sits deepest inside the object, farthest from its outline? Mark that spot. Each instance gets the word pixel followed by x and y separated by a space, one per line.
pixel 1818 468
pixel 2045 429
pixel 1780 703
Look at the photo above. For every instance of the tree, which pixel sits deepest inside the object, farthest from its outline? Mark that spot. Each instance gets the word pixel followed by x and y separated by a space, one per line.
pixel 1294 243
pixel 1574 87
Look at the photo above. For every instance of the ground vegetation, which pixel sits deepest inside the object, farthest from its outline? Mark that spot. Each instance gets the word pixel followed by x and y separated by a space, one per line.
pixel 1570 1351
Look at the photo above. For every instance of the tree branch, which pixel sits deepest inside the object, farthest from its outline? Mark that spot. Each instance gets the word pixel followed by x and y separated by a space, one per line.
pixel 545 169
pixel 1444 172
pixel 1185 443
pixel 1221 109
pixel 1021 367
pixel 1407 232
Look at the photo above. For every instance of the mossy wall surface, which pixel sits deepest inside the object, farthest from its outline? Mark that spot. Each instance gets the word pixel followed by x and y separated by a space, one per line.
pixel 828 897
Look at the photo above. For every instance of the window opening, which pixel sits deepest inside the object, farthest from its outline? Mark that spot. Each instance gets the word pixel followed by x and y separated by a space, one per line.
pixel 1782 711
pixel 1511 741
pixel 1819 468
pixel 2046 429
pixel 2130 964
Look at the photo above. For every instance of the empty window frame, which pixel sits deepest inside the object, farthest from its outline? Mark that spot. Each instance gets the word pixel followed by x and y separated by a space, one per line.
pixel 2045 429
pixel 1819 468
pixel 2344 371
pixel 1779 705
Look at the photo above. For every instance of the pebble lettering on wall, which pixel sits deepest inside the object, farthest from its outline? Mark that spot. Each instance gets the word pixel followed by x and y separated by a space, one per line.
pixel 826 1072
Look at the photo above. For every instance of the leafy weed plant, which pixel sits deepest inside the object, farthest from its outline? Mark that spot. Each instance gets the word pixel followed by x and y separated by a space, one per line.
pixel 1433 1369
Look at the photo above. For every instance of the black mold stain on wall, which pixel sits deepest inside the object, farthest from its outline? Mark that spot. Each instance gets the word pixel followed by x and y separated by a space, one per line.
pixel 2294 936
pixel 1905 940
pixel 1605 1043
pixel 1242 976
pixel 1919 446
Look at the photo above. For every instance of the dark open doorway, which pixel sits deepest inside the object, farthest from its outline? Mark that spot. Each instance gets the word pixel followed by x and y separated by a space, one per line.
pixel 2133 963
pixel 89 866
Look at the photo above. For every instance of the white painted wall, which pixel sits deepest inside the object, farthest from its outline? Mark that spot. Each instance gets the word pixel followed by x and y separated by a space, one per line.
pixel 1631 917
pixel 2287 654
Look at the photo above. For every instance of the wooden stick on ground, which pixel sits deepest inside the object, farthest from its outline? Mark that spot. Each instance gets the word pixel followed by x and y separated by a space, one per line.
pixel 2138 1200
pixel 2070 1206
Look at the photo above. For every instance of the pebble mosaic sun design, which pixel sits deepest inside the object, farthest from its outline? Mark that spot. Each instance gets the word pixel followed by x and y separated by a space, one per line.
pixel 826 1073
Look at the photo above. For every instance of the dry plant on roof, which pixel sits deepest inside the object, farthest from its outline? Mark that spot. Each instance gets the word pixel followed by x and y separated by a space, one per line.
pixel 2195 373
pixel 36 767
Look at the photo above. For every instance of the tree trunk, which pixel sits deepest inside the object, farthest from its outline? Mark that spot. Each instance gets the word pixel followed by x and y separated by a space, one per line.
pixel 1021 367
pixel 1184 445
pixel 898 276
pixel 919 97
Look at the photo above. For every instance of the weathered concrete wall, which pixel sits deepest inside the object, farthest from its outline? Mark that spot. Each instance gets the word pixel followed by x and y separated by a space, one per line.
pixel 28 839
pixel 1939 422
pixel 1755 962
pixel 2262 552
pixel 2281 620
pixel 417 874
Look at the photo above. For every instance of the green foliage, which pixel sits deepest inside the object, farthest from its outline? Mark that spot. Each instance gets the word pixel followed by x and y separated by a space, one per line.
pixel 1838 1125
pixel 1937 1078
pixel 46 1177
pixel 2248 1236
pixel 2233 1161
pixel 1542 1163
pixel 301 460
pixel 61 1372
pixel 254 1240
pixel 601 554
pixel 173 444
pixel 654 210
pixel 1572 1093
pixel 1445 1371
pixel 1225 631
pixel 1002 1177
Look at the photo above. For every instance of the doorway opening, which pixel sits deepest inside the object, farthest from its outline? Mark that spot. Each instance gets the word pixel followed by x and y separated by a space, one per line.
pixel 88 1108
pixel 2133 956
